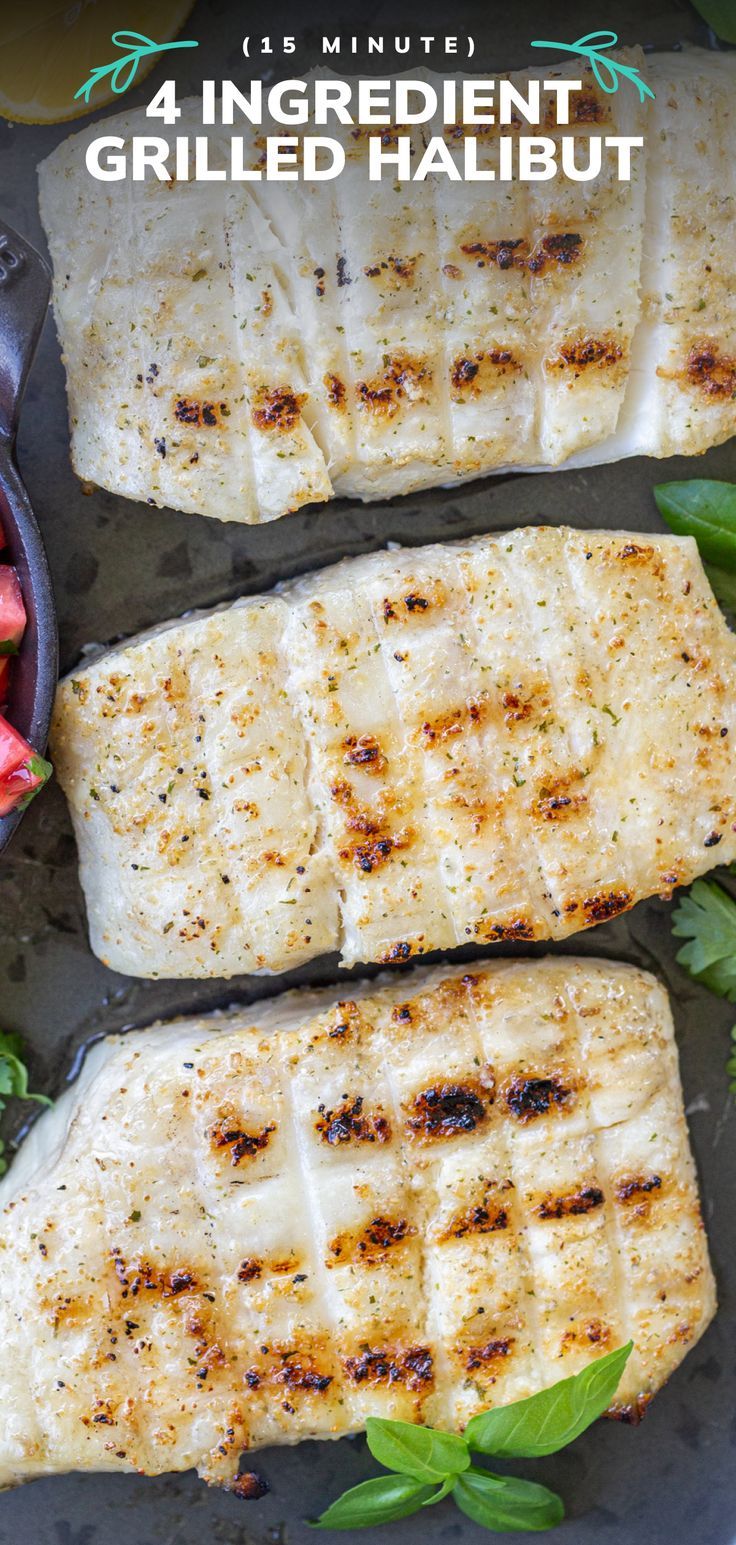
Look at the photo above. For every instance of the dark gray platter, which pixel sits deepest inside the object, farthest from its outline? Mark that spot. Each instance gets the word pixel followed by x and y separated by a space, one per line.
pixel 117 567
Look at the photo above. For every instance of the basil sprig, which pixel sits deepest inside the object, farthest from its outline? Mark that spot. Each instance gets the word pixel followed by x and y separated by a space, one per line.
pixel 720 15
pixel 427 1465
pixel 705 509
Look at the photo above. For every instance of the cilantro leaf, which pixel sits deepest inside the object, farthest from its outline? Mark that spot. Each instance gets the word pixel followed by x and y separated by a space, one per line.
pixel 707 919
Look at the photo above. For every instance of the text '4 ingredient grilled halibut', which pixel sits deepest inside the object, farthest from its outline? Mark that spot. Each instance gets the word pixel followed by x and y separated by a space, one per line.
pixel 510 738
pixel 240 350
pixel 440 1196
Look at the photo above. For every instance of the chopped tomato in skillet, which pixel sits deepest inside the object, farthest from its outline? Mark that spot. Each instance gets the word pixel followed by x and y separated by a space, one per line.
pixel 12 611
pixel 22 772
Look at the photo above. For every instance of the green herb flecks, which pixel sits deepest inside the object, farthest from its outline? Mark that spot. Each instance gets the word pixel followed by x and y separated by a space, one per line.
pixel 14 1081
pixel 427 1466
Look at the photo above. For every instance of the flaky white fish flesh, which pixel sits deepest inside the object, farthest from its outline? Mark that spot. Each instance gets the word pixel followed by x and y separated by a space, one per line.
pixel 508 738
pixel 242 349
pixel 439 1196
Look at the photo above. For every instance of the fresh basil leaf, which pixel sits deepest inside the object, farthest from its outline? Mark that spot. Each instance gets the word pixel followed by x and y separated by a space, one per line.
pixel 707 919
pixel 552 1418
pixel 731 1064
pixel 418 1451
pixel 7 647
pixel 720 15
pixel 444 1491
pixel 706 510
pixel 723 585
pixel 379 1501
pixel 508 1505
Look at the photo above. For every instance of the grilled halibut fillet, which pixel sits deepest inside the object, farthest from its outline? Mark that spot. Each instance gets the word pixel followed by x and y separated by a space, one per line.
pixel 439 1196
pixel 239 350
pixel 513 737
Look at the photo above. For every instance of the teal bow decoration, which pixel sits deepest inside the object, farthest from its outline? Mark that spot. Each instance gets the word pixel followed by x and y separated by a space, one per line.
pixel 135 46
pixel 607 71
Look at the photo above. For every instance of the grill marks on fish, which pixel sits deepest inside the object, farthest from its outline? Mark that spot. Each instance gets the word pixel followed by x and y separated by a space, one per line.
pixel 579 354
pixel 277 408
pixel 239 1143
pixel 369 1245
pixel 447 1109
pixel 348 1269
pixel 404 378
pixel 412 1368
pixel 291 308
pixel 351 1123
pixel 529 1098
pixel 689 322
pixel 710 372
pixel 505 740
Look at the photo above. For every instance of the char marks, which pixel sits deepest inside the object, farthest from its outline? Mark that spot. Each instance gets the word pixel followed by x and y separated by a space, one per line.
pixel 506 740
pixel 420 1252
pixel 243 349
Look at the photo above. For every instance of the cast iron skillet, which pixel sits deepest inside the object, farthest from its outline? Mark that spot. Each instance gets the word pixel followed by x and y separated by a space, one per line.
pixel 25 286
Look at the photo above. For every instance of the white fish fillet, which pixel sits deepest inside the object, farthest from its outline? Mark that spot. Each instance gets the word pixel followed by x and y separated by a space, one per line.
pixel 240 350
pixel 512 737
pixel 442 1195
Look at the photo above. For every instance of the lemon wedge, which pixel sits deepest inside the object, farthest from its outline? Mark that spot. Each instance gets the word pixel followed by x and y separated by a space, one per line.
pixel 48 49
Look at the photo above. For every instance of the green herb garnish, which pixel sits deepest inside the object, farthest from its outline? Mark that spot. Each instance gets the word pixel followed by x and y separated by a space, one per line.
pixel 14 1080
pixel 720 15
pixel 40 768
pixel 731 1064
pixel 427 1465
pixel 706 510
pixel 707 919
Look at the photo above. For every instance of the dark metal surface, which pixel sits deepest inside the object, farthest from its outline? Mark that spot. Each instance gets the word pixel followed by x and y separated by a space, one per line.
pixel 25 285
pixel 118 567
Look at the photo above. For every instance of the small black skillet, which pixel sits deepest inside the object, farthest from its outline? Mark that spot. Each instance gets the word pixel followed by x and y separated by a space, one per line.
pixel 25 286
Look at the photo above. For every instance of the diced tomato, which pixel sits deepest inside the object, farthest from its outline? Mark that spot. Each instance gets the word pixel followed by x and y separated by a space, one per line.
pixel 12 611
pixel 22 772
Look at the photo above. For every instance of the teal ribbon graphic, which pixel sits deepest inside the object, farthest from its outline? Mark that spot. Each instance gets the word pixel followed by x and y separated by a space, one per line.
pixel 607 72
pixel 135 46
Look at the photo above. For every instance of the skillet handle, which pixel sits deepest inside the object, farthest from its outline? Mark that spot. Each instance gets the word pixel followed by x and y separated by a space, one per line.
pixel 25 287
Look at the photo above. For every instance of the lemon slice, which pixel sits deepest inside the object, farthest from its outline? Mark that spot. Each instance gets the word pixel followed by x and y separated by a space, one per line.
pixel 48 49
